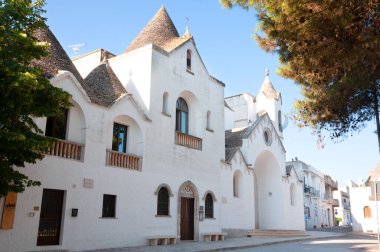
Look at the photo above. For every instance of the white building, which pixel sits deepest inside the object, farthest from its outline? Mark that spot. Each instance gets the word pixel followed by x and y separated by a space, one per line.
pixel 318 200
pixel 143 152
pixel 328 202
pixel 364 207
pixel 343 212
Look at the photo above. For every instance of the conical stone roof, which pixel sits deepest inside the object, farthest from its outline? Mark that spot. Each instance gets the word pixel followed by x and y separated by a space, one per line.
pixel 102 87
pixel 159 31
pixel 57 58
pixel 105 86
pixel 267 87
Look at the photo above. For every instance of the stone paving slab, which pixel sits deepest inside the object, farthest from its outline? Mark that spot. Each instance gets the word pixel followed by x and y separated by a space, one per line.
pixel 228 244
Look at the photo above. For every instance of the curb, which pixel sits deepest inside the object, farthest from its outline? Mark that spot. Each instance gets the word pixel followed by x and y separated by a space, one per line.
pixel 269 243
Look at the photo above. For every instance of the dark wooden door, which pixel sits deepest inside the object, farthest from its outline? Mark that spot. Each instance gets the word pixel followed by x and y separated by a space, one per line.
pixel 50 217
pixel 187 219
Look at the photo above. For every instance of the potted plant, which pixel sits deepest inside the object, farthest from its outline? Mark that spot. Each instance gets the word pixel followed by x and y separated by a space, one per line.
pixel 339 220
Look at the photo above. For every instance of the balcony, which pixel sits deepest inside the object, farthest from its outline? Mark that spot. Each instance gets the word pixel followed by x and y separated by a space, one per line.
pixel 188 141
pixel 374 198
pixel 66 149
pixel 124 160
pixel 328 198
pixel 311 191
pixel 346 206
pixel 335 203
pixel 333 184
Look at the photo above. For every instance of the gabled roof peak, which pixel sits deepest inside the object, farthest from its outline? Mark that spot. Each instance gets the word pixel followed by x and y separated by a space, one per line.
pixel 159 31
pixel 267 87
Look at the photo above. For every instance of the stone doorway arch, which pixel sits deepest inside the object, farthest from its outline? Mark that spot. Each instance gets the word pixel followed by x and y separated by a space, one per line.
pixel 188 214
pixel 268 192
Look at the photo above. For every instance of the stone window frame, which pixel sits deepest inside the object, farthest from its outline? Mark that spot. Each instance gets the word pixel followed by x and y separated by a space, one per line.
pixel 170 193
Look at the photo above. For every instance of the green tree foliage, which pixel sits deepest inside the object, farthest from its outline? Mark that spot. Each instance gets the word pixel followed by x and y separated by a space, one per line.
pixel 331 49
pixel 24 92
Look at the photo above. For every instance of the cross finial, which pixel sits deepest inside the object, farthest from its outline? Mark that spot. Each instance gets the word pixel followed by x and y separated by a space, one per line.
pixel 267 72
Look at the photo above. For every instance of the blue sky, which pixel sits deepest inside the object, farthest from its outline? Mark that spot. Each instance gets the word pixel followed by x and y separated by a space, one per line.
pixel 224 40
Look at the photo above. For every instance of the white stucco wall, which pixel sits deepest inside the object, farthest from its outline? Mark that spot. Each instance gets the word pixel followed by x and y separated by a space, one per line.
pixel 163 161
pixel 86 63
pixel 237 213
pixel 359 197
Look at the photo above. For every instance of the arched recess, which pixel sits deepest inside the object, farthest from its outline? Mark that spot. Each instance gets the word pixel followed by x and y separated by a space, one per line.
pixel 165 101
pixel 188 59
pixel 208 120
pixel 237 182
pixel 76 124
pixel 134 140
pixel 292 194
pixel 188 215
pixel 268 192
pixel 195 113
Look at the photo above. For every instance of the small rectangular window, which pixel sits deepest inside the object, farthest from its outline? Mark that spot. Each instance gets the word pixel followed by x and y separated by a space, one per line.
pixel 109 203
pixel 119 138
pixel 56 125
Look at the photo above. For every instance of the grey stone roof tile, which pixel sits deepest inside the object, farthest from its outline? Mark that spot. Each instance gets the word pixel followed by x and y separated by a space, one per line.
pixel 57 58
pixel 102 86
pixel 160 31
pixel 105 87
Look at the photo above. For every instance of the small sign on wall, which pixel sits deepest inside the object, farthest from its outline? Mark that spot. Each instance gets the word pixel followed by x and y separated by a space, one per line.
pixel 88 183
pixel 9 211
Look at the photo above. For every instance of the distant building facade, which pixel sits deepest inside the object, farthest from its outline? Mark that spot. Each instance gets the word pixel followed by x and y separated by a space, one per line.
pixel 318 198
pixel 343 212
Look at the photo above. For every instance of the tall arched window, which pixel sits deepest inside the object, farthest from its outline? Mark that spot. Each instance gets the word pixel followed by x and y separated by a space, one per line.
pixel 208 120
pixel 209 206
pixel 182 116
pixel 367 212
pixel 163 201
pixel 292 195
pixel 188 59
pixel 165 98
pixel 236 184
pixel 279 121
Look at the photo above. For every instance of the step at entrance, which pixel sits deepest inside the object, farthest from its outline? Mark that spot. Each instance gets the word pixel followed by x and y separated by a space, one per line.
pixel 276 233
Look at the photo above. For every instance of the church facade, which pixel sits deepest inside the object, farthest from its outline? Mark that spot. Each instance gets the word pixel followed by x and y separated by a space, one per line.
pixel 152 147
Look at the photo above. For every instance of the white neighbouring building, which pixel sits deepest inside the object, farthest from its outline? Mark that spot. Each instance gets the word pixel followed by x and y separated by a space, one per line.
pixel 318 195
pixel 343 211
pixel 144 152
pixel 364 206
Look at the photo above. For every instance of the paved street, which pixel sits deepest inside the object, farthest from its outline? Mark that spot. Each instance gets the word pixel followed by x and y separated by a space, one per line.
pixel 337 244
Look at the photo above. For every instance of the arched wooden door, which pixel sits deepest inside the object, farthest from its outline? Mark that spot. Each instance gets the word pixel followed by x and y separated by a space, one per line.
pixel 187 212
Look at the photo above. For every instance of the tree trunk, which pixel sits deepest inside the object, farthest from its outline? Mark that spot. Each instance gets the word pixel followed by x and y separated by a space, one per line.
pixel 377 117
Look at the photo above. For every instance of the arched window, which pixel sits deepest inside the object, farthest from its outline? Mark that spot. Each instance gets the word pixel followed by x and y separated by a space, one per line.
pixel 208 120
pixel 279 121
pixel 236 184
pixel 163 201
pixel 165 98
pixel 182 116
pixel 119 137
pixel 56 125
pixel 209 206
pixel 188 59
pixel 367 212
pixel 292 195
